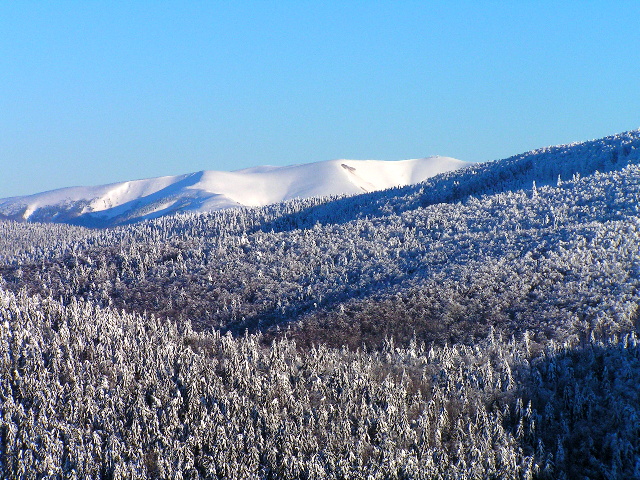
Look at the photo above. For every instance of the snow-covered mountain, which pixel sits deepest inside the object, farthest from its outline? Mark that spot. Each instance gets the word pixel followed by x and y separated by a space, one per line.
pixel 131 201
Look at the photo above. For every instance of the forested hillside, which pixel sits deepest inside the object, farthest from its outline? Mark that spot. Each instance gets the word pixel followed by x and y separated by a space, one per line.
pixel 481 324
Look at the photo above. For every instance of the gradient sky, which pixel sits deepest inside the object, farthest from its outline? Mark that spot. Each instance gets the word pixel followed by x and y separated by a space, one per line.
pixel 97 92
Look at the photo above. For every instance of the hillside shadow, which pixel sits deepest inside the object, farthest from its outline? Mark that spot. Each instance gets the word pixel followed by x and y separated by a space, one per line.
pixel 586 401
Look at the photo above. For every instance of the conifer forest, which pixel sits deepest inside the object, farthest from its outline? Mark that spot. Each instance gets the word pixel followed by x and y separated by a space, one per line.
pixel 483 324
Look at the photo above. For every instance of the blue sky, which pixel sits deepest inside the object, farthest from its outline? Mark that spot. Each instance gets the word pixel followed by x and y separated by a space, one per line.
pixel 97 92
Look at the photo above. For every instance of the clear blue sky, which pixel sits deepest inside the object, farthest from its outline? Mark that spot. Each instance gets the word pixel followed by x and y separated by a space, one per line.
pixel 97 92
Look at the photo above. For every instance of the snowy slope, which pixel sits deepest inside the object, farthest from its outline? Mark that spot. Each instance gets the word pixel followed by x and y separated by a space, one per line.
pixel 213 190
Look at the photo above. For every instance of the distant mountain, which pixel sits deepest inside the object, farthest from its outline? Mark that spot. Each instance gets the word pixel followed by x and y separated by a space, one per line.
pixel 132 201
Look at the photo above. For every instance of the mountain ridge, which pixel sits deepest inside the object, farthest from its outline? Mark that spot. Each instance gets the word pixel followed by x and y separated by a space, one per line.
pixel 210 190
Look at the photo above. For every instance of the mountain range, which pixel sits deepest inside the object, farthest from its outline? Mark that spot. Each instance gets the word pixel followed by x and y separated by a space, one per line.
pixel 131 201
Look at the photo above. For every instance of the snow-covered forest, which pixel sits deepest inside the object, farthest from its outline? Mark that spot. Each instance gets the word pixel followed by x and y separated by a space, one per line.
pixel 481 324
